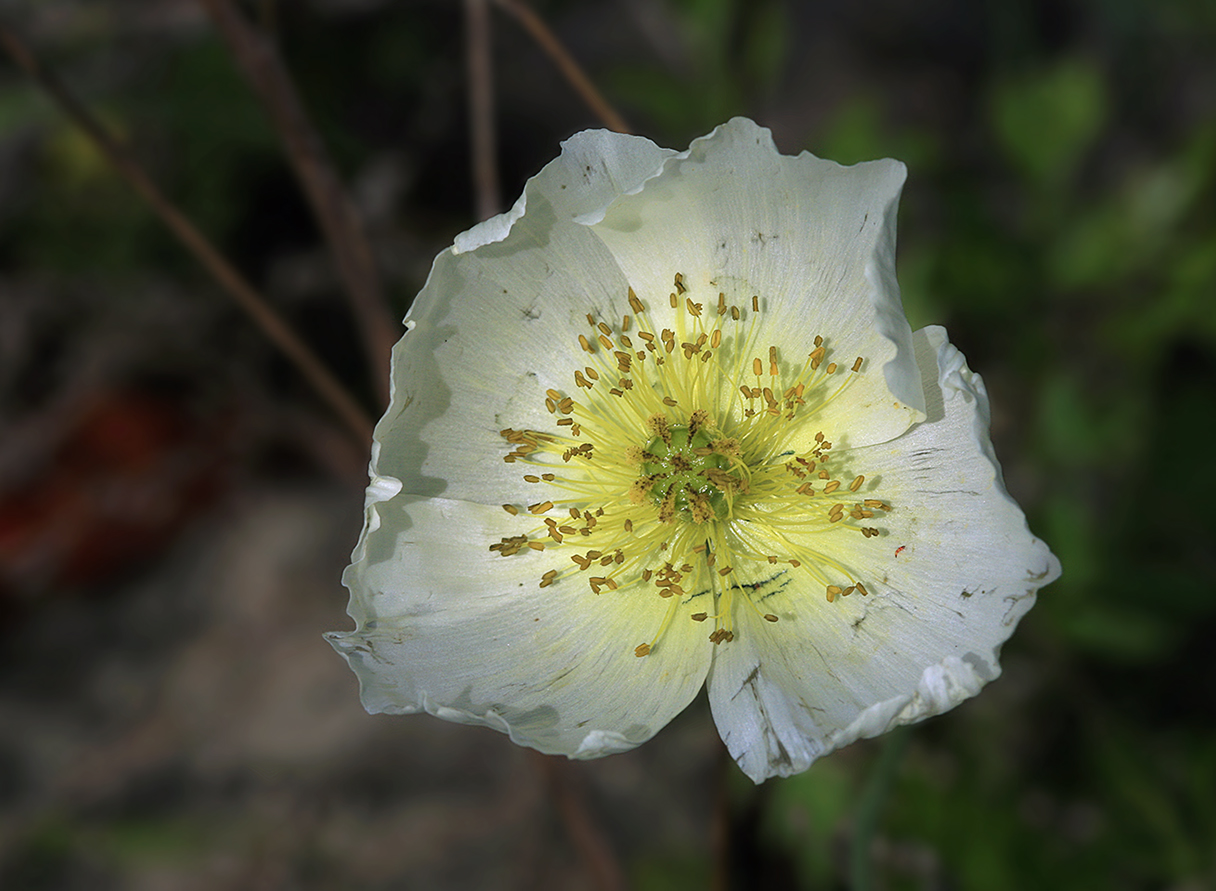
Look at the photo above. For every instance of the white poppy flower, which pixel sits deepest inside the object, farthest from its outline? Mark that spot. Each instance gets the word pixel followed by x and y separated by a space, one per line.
pixel 664 424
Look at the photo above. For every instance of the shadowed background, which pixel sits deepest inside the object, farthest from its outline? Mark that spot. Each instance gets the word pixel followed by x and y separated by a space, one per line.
pixel 176 506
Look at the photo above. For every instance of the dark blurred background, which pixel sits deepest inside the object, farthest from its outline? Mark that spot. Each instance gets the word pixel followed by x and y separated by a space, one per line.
pixel 176 506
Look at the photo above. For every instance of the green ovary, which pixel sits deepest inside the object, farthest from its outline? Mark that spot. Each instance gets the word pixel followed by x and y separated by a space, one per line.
pixel 688 476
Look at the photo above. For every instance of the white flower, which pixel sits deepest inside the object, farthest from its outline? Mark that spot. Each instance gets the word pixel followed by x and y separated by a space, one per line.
pixel 663 424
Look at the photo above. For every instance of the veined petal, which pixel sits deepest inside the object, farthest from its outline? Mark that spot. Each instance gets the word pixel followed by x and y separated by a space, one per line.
pixel 951 572
pixel 446 627
pixel 813 240
pixel 498 320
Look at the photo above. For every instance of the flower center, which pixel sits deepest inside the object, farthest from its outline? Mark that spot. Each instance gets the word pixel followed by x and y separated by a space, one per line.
pixel 687 470
pixel 684 464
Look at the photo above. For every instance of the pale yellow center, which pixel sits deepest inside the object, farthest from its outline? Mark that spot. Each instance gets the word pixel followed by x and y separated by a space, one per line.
pixel 691 460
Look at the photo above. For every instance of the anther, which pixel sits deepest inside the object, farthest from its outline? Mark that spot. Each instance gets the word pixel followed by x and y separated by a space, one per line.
pixel 856 484
pixel 511 509
pixel 642 650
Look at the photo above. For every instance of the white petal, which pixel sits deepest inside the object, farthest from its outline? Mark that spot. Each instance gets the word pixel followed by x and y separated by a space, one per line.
pixel 594 168
pixel 928 635
pixel 449 628
pixel 814 240
pixel 498 322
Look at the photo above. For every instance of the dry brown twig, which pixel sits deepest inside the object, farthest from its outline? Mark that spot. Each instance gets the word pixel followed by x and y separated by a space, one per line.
pixel 719 831
pixel 481 108
pixel 593 848
pixel 569 68
pixel 230 280
pixel 263 67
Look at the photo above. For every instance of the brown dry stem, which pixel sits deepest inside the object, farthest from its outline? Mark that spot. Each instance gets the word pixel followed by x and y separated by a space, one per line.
pixel 260 62
pixel 230 280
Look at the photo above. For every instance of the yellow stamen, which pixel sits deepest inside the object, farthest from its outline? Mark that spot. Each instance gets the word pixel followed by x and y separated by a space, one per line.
pixel 723 507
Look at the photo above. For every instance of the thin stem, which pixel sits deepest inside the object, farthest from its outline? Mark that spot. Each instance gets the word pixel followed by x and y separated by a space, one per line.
pixel 594 849
pixel 335 213
pixel 481 108
pixel 237 287
pixel 870 807
pixel 719 832
pixel 570 69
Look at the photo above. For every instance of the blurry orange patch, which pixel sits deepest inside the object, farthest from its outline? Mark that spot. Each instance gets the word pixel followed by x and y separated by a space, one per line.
pixel 124 477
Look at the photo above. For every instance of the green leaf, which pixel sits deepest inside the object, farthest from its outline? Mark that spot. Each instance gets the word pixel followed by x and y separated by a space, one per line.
pixel 1046 121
